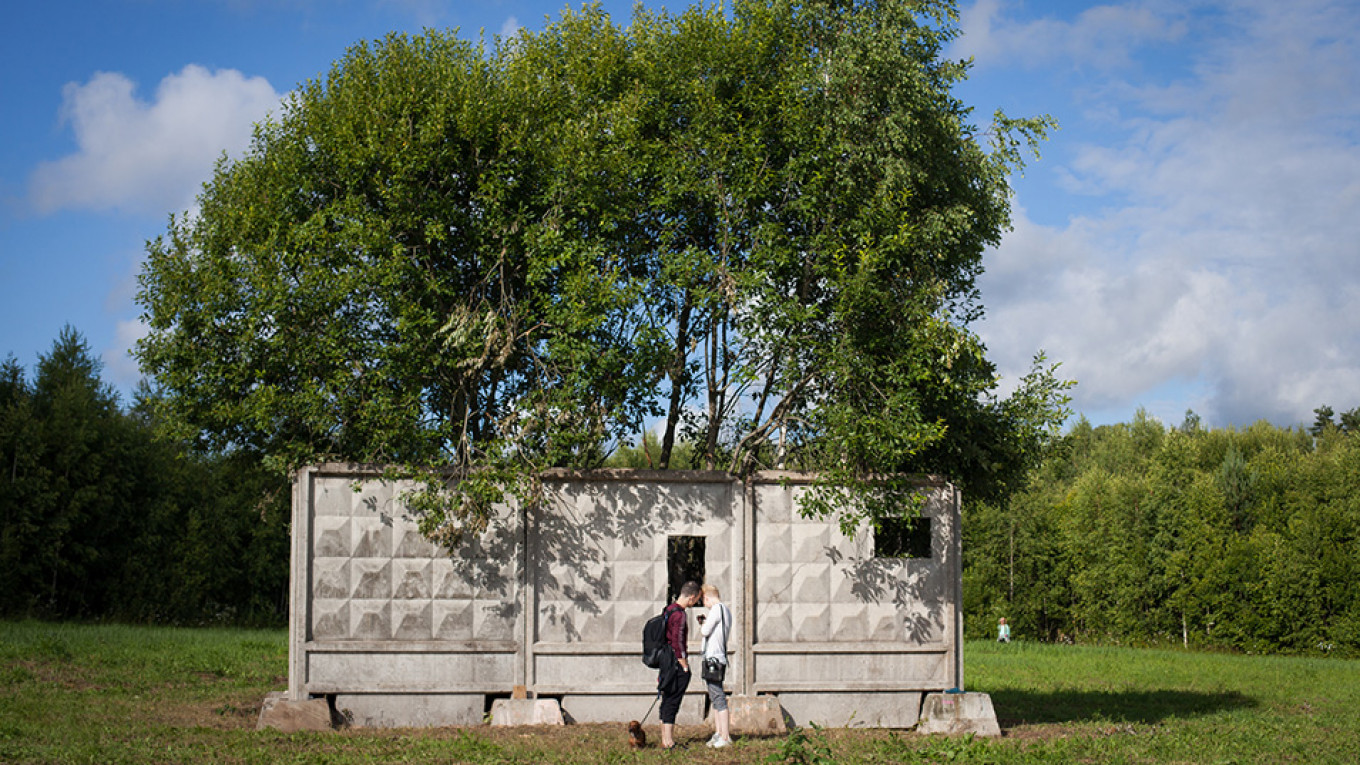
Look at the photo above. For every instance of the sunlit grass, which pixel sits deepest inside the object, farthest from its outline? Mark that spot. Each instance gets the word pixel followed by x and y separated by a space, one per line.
pixel 118 694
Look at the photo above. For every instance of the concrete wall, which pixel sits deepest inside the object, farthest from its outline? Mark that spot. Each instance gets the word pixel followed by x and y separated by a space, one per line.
pixel 554 598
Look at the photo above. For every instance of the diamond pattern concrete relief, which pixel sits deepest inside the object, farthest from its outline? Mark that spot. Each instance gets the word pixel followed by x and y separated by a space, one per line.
pixel 375 577
pixel 815 584
pixel 414 621
pixel 412 579
pixel 372 579
pixel 410 543
pixel 452 620
pixel 332 537
pixel 774 623
pixel 370 542
pixel 330 578
pixel 330 619
pixel 812 622
pixel 811 582
pixel 370 620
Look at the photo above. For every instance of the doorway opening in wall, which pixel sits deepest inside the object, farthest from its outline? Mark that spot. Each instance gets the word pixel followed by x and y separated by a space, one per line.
pixel 684 563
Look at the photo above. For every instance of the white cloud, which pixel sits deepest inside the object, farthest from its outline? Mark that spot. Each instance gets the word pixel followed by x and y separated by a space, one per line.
pixel 140 157
pixel 510 28
pixel 1102 36
pixel 120 368
pixel 1225 257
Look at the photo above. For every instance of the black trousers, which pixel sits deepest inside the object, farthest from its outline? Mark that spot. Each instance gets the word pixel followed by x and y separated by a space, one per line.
pixel 673 689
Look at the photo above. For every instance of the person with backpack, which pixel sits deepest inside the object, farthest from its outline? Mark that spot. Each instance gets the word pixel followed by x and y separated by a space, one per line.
pixel 675 675
pixel 716 626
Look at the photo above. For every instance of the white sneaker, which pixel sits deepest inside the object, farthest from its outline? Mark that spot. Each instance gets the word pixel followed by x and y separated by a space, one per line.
pixel 720 743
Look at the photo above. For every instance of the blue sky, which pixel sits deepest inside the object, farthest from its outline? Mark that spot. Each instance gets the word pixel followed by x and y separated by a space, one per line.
pixel 1189 238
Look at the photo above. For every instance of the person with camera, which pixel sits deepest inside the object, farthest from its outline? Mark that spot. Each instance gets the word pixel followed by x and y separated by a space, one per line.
pixel 716 626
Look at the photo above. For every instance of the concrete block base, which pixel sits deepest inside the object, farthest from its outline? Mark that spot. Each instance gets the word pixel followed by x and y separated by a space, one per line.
pixel 526 712
pixel 279 713
pixel 756 716
pixel 955 713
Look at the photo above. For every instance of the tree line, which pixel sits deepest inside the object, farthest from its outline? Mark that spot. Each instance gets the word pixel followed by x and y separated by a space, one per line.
pixel 103 518
pixel 1140 533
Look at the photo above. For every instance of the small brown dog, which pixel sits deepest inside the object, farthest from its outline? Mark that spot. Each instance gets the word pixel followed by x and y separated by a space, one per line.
pixel 637 738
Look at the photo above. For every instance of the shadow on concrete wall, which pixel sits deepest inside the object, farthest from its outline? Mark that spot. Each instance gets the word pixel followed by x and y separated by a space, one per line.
pixel 1146 707
pixel 488 562
pixel 878 580
pixel 574 541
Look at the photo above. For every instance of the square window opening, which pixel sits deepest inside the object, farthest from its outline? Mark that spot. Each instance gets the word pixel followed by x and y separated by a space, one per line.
pixel 903 538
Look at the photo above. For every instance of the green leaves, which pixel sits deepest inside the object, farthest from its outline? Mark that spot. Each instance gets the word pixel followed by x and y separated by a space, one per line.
pixel 762 226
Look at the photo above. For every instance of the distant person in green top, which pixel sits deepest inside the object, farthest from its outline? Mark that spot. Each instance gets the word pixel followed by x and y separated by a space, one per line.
pixel 1003 631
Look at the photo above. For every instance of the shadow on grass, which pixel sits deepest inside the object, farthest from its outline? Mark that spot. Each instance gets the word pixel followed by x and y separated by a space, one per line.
pixel 1017 707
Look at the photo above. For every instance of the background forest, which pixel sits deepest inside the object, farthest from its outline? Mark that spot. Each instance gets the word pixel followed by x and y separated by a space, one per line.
pixel 103 518
pixel 1142 534
pixel 1133 533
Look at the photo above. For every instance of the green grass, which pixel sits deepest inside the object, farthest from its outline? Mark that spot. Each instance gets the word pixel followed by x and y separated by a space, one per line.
pixel 116 694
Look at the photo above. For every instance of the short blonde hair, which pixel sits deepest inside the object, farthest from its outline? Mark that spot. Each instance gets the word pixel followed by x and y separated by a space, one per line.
pixel 710 589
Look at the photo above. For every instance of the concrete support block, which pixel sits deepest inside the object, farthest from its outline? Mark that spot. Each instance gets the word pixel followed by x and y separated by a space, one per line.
pixel 756 716
pixel 955 713
pixel 526 712
pixel 280 713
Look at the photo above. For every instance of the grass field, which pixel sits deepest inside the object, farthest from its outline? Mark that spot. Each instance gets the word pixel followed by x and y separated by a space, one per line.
pixel 116 694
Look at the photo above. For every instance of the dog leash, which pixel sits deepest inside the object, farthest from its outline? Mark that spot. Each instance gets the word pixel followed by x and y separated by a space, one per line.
pixel 649 709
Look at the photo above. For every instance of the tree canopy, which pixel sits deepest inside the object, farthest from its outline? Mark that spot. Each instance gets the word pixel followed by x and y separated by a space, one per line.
pixel 761 227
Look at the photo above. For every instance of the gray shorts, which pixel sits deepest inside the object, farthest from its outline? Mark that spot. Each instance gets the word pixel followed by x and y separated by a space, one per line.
pixel 716 696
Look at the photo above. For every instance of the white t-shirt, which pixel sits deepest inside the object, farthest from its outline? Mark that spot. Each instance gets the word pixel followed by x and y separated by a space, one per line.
pixel 717 626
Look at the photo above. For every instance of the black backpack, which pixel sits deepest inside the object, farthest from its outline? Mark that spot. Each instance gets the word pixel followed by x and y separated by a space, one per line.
pixel 654 646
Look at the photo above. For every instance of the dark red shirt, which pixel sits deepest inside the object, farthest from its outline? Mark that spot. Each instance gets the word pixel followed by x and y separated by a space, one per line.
pixel 677 630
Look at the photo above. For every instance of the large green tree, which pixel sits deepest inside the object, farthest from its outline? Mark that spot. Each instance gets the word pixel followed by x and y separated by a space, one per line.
pixel 762 227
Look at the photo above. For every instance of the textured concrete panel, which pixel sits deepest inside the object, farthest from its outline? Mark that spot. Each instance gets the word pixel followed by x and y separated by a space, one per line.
pixel 620 708
pixel 370 619
pixel 838 669
pixel 811 622
pixel 333 498
pixel 589 672
pixel 375 710
pixel 330 578
pixel 411 579
pixel 812 583
pixel 774 543
pixel 383 671
pixel 853 710
pixel 774 583
pixel 774 623
pixel 412 621
pixel 330 619
pixel 333 537
pixel 452 620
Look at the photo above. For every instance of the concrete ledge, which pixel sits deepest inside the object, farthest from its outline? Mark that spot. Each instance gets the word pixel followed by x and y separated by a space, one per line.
pixel 526 712
pixel 956 713
pixel 756 715
pixel 279 713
